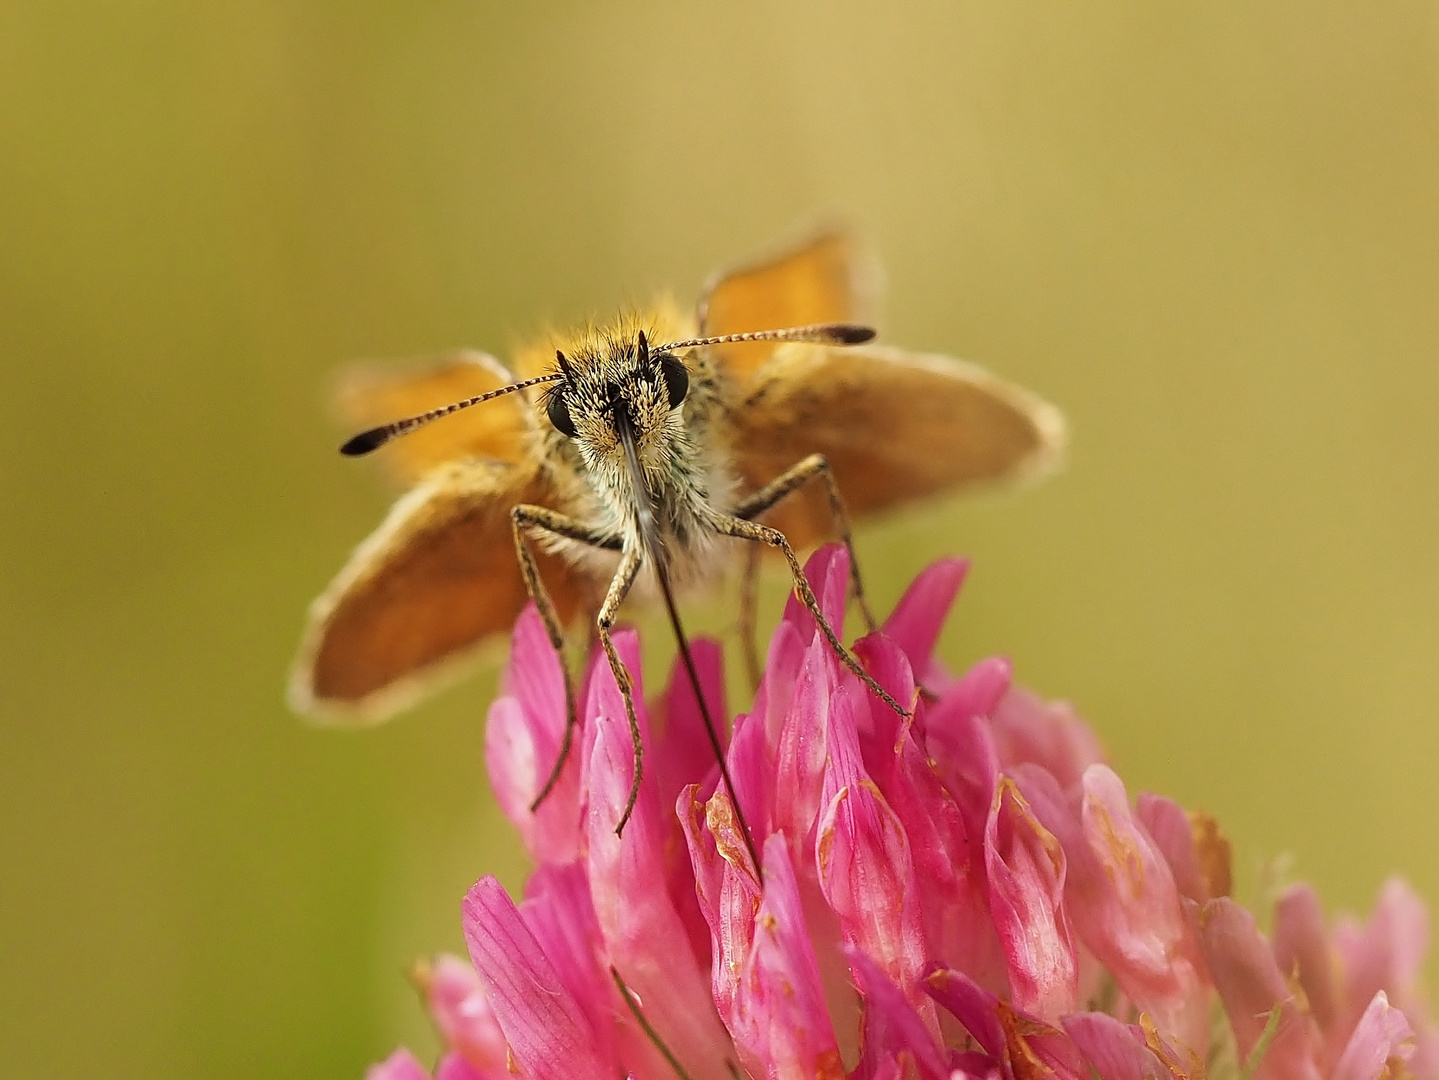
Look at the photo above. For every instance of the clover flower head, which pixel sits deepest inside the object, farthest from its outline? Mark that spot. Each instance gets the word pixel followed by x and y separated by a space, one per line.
pixel 971 892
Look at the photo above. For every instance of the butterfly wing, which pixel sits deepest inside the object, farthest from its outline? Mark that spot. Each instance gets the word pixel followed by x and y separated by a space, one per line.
pixel 895 427
pixel 431 586
pixel 824 279
pixel 369 395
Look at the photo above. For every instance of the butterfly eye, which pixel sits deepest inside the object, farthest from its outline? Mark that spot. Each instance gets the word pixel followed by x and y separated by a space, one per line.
pixel 559 412
pixel 677 379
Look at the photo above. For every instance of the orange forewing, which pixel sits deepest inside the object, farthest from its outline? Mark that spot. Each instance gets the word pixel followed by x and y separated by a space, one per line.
pixel 368 396
pixel 434 582
pixel 822 280
pixel 895 427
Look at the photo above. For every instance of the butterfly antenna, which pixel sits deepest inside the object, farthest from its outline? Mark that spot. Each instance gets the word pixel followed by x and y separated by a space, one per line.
pixel 822 333
pixel 376 437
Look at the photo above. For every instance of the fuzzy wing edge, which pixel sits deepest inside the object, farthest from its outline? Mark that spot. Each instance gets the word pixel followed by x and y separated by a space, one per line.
pixel 378 554
pixel 802 401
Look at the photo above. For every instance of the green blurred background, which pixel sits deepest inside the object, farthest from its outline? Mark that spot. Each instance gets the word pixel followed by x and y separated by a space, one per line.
pixel 1211 236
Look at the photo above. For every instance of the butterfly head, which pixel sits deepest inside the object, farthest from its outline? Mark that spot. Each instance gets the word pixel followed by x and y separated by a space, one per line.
pixel 615 389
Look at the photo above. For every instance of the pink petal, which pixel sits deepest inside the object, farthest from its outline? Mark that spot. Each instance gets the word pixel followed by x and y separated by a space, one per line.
pixel 957 736
pixel 1124 903
pixel 1390 948
pixel 780 1024
pixel 543 1024
pixel 559 912
pixel 1025 1046
pixel 455 1067
pixel 462 1015
pixel 864 862
pixel 645 937
pixel 401 1065
pixel 892 1025
pixel 972 1065
pixel 534 676
pixel 523 735
pixel 727 889
pixel 704 855
pixel 1044 1046
pixel 947 855
pixel 783 660
pixel 917 619
pixel 888 1069
pixel 1381 1039
pixel 954 900
pixel 973 1006
pixel 752 768
pixel 827 572
pixel 980 689
pixel 1112 1047
pixel 1251 986
pixel 1387 954
pixel 1169 825
pixel 683 755
pixel 603 698
pixel 1301 949
pixel 880 727
pixel 1026 871
pixel 804 746
pixel 1049 734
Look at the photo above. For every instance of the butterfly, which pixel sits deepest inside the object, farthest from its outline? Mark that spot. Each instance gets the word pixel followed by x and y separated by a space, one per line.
pixel 642 454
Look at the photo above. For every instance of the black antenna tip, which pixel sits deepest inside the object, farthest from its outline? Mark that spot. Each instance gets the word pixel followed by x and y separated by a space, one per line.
pixel 849 334
pixel 366 441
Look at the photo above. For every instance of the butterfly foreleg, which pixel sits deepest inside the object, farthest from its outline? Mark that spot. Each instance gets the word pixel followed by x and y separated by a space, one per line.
pixel 738 527
pixel 624 579
pixel 523 518
pixel 814 467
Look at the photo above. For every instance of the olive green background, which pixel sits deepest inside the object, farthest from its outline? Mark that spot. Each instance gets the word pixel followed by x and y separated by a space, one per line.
pixel 1211 236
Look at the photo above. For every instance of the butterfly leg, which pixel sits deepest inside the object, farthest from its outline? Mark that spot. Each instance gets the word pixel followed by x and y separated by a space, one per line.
pixel 748 602
pixel 624 579
pixel 738 527
pixel 814 467
pixel 523 518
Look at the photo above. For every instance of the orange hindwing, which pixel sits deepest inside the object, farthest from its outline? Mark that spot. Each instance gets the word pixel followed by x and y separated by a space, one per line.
pixel 422 595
